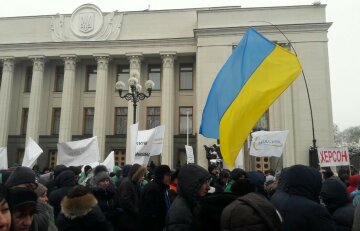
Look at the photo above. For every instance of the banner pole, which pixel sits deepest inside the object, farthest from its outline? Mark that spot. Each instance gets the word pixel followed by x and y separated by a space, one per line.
pixel 187 128
pixel 349 170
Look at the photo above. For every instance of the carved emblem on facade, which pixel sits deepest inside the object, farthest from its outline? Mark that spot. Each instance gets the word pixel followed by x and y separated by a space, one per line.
pixel 87 23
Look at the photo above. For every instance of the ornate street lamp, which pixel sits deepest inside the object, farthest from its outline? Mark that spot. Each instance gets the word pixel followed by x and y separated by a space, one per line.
pixel 135 95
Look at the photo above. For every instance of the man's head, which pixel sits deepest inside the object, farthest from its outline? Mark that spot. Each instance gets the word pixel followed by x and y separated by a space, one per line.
pixel 23 208
pixel 5 215
pixel 162 174
pixel 22 177
pixel 102 179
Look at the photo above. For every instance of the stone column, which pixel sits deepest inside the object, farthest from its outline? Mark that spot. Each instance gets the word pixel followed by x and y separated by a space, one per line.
pixel 32 129
pixel 135 68
pixel 5 98
pixel 67 106
pixel 167 106
pixel 99 129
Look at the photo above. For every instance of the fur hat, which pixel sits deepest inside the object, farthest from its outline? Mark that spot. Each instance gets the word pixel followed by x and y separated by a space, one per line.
pixel 21 175
pixel 41 190
pixel 101 176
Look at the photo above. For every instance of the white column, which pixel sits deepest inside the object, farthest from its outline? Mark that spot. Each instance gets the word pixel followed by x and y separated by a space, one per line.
pixel 135 67
pixel 5 98
pixel 65 133
pixel 167 106
pixel 99 129
pixel 32 129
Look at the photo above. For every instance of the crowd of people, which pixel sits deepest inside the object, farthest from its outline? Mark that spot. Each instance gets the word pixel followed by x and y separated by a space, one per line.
pixel 135 197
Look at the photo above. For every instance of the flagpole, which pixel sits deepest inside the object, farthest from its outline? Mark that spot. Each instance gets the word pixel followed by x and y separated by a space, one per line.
pixel 187 128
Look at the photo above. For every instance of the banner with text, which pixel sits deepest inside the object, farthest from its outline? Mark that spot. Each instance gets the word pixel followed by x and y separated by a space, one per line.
pixel 333 156
pixel 148 143
pixel 76 153
pixel 265 143
pixel 3 158
pixel 189 154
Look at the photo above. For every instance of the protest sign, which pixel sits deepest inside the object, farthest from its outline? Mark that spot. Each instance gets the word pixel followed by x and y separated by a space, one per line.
pixel 189 154
pixel 333 156
pixel 266 143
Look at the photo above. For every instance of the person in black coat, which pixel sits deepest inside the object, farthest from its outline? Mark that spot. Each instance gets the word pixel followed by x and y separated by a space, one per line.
pixel 104 192
pixel 80 212
pixel 65 181
pixel 337 201
pixel 297 200
pixel 192 186
pixel 129 195
pixel 155 201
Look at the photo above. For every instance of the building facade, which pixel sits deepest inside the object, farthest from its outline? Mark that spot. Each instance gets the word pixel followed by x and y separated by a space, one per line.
pixel 58 77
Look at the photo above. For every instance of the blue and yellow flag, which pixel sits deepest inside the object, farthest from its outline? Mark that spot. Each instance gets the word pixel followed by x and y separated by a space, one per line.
pixel 256 74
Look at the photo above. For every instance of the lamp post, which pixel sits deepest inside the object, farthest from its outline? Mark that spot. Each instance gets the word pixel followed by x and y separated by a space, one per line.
pixel 135 95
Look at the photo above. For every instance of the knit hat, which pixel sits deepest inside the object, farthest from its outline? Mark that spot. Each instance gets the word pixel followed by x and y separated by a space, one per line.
pixel 41 190
pixel 101 176
pixel 21 198
pixel 21 175
pixel 161 171
pixel 100 168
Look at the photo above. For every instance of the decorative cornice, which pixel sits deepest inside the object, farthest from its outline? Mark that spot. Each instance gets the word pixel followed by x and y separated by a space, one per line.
pixel 69 62
pixel 8 64
pixel 268 29
pixel 38 62
pixel 134 60
pixel 168 59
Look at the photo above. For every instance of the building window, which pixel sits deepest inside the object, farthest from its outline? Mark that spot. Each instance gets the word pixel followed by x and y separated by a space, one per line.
pixel 186 77
pixel 91 78
pixel 55 126
pixel 88 120
pixel 184 111
pixel 123 73
pixel 24 119
pixel 59 78
pixel 20 155
pixel 263 123
pixel 120 156
pixel 120 120
pixel 52 158
pixel 155 76
pixel 28 78
pixel 153 117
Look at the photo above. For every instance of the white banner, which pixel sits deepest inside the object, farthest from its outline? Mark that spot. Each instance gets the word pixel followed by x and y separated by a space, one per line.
pixel 32 152
pixel 189 154
pixel 3 158
pixel 109 162
pixel 77 153
pixel 148 143
pixel 333 156
pixel 266 143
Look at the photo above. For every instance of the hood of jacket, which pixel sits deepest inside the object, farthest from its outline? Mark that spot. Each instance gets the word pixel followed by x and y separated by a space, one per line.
pixel 79 206
pixel 136 172
pixel 334 194
pixel 301 180
pixel 190 179
pixel 65 178
pixel 353 180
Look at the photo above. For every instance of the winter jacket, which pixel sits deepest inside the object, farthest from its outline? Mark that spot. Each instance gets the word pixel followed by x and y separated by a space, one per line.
pixel 129 194
pixel 190 179
pixel 154 205
pixel 250 212
pixel 108 202
pixel 65 181
pixel 336 199
pixel 297 200
pixel 355 195
pixel 353 181
pixel 356 225
pixel 81 214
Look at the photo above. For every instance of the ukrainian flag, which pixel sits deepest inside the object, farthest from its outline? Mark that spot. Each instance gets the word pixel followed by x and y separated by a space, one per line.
pixel 254 76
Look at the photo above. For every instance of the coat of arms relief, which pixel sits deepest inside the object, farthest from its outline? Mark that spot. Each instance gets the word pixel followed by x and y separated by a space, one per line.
pixel 87 23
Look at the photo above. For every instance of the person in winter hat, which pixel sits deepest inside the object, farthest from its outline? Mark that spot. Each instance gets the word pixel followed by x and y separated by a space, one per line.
pixel 353 182
pixel 23 204
pixel 235 174
pixel 155 201
pixel 5 214
pixel 192 186
pixel 297 200
pixel 129 196
pixel 80 212
pixel 336 199
pixel 250 212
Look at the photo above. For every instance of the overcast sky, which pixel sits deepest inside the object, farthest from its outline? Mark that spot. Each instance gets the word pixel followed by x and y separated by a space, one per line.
pixel 344 46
